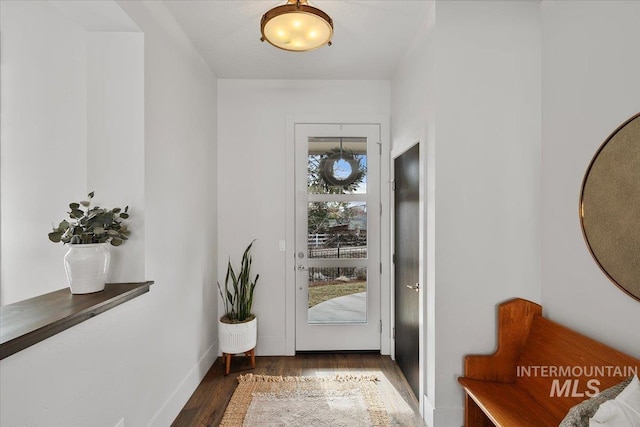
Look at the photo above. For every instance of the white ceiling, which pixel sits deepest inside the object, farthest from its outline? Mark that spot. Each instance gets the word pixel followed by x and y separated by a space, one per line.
pixel 370 38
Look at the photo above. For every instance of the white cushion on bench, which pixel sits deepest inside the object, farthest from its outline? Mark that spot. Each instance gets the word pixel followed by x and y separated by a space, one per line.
pixel 623 411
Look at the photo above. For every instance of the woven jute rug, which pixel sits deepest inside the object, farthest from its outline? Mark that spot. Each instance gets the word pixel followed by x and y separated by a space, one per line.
pixel 342 400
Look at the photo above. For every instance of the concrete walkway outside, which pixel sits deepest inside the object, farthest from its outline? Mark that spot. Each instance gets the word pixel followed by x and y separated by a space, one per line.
pixel 349 308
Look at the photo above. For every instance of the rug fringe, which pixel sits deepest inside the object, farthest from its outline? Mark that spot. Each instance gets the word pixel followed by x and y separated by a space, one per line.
pixel 280 379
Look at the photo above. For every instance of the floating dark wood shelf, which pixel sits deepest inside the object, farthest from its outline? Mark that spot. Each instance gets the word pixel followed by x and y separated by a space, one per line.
pixel 28 322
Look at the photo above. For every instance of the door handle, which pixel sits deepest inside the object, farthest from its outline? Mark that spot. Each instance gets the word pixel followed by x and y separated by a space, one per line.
pixel 415 287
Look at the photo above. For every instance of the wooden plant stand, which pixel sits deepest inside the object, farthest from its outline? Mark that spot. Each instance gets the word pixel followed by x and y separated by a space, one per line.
pixel 226 359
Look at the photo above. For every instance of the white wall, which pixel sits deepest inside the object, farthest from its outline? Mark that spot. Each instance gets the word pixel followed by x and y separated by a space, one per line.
pixel 483 178
pixel 181 210
pixel 413 113
pixel 42 142
pixel 590 86
pixel 488 143
pixel 252 166
pixel 115 137
pixel 142 360
pixel 412 89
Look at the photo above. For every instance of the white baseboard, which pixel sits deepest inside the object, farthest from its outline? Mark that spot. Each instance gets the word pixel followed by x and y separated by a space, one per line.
pixel 172 407
pixel 427 411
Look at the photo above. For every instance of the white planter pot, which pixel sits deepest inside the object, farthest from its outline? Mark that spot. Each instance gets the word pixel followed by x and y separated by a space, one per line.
pixel 87 267
pixel 237 338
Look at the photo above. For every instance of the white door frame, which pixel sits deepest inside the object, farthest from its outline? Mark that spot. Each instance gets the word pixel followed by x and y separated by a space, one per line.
pixel 422 271
pixel 385 242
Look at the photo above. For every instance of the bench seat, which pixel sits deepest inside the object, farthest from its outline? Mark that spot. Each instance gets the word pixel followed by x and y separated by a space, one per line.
pixel 507 405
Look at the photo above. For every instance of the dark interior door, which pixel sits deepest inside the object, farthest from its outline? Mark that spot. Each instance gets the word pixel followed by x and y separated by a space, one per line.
pixel 406 256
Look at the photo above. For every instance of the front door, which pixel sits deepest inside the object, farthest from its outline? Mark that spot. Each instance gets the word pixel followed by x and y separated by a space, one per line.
pixel 407 264
pixel 337 237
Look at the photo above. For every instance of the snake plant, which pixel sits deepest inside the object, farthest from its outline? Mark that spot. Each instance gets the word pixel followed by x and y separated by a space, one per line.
pixel 238 290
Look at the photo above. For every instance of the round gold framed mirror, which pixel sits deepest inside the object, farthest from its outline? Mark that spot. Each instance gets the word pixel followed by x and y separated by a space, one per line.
pixel 610 207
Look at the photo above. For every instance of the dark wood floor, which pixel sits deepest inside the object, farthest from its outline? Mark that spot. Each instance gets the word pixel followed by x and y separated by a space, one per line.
pixel 207 404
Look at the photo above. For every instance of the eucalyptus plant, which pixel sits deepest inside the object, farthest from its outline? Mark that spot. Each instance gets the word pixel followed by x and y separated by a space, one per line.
pixel 238 290
pixel 92 225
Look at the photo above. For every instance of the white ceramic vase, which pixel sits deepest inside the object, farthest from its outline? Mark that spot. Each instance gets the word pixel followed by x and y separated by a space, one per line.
pixel 237 338
pixel 87 267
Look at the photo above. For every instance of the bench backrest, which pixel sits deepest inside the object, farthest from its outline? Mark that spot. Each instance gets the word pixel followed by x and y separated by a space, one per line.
pixel 559 368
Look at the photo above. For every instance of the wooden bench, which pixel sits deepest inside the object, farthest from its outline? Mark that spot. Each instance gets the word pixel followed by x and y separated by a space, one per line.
pixel 539 371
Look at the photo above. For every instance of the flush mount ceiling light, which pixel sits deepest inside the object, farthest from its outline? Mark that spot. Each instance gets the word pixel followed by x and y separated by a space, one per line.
pixel 296 27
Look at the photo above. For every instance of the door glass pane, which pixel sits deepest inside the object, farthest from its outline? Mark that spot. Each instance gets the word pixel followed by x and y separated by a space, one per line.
pixel 337 295
pixel 337 230
pixel 337 166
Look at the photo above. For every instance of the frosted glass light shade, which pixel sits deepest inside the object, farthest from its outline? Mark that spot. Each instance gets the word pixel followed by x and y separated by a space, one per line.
pixel 296 27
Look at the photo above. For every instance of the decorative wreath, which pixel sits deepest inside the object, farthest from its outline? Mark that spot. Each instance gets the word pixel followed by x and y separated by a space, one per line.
pixel 327 171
